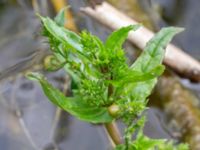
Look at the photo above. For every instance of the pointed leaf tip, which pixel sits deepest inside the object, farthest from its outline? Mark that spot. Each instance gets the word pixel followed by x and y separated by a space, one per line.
pixel 116 39
pixel 175 30
pixel 39 16
pixel 136 26
pixel 60 17
pixel 34 76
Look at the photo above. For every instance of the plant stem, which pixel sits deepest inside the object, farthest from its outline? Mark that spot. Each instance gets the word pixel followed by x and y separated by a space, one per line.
pixel 111 127
pixel 113 132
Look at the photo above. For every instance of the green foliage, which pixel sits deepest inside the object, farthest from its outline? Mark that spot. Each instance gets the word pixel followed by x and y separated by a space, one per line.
pixel 117 38
pixel 60 18
pixel 149 60
pixel 73 105
pixel 142 142
pixel 104 86
pixel 169 145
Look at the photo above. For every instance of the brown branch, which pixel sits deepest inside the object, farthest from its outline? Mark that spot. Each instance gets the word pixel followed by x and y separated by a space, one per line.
pixel 113 132
pixel 175 58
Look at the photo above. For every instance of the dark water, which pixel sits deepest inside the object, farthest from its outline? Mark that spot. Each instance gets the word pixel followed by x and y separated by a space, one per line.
pixel 28 121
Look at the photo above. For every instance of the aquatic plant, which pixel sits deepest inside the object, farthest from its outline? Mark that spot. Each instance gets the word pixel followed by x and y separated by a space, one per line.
pixel 104 87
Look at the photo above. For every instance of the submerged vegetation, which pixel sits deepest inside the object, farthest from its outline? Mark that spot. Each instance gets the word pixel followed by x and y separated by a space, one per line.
pixel 104 87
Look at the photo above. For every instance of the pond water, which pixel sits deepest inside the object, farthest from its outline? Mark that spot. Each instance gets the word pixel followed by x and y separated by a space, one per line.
pixel 28 121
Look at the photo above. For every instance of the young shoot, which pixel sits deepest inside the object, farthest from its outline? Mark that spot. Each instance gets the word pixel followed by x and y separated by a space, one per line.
pixel 104 86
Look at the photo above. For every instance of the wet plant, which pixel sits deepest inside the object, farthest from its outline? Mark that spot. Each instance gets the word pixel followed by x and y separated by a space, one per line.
pixel 104 87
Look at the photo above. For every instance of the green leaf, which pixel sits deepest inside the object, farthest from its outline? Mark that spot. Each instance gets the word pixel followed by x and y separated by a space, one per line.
pixel 74 105
pixel 151 57
pixel 145 143
pixel 135 76
pixel 142 142
pixel 120 147
pixel 116 39
pixel 62 34
pixel 154 52
pixel 60 17
pixel 169 145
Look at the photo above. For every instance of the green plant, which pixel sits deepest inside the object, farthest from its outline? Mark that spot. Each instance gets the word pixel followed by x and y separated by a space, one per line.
pixel 104 87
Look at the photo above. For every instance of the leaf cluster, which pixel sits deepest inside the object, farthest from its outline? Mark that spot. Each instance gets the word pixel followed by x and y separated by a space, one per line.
pixel 101 78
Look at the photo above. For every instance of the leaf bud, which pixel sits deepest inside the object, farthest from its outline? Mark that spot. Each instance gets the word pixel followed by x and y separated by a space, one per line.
pixel 51 63
pixel 114 110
